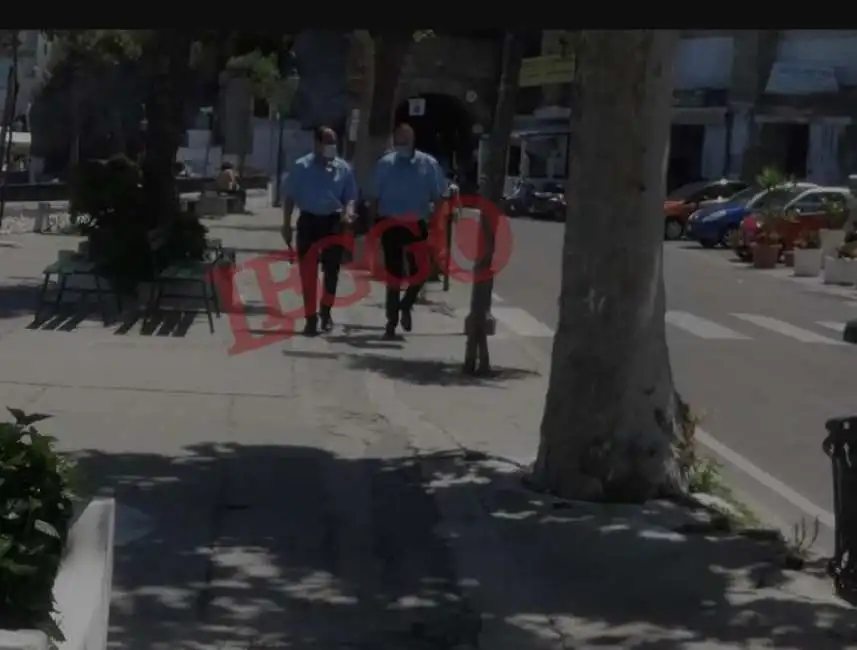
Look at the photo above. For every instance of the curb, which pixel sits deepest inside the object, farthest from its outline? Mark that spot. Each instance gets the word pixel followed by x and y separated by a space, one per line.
pixel 83 586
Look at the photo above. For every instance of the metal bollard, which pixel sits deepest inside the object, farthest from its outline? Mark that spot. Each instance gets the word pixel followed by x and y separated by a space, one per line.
pixel 841 446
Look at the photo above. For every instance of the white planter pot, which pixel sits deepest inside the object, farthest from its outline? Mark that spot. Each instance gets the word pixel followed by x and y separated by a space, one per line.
pixel 807 262
pixel 840 270
pixel 830 241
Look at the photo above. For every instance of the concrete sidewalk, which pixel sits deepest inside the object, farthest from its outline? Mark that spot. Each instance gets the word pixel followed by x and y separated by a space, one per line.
pixel 350 492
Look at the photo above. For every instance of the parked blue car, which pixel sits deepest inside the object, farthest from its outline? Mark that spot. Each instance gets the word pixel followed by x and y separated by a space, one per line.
pixel 714 224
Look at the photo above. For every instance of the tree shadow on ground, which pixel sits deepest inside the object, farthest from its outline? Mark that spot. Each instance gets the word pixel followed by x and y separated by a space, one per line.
pixel 19 298
pixel 297 547
pixel 435 372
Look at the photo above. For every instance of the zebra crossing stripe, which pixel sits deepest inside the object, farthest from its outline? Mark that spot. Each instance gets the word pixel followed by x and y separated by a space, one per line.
pixel 778 326
pixel 702 327
pixel 835 325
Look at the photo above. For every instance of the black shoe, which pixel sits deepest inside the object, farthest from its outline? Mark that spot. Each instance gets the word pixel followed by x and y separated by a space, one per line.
pixel 326 322
pixel 407 321
pixel 389 332
pixel 311 327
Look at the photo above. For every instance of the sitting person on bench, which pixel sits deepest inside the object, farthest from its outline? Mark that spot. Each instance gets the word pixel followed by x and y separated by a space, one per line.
pixel 227 182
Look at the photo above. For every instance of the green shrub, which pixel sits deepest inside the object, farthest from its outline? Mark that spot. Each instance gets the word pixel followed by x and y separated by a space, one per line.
pixel 108 203
pixel 35 511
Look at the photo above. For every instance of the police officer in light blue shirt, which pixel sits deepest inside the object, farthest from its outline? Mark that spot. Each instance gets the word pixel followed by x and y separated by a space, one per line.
pixel 322 186
pixel 405 186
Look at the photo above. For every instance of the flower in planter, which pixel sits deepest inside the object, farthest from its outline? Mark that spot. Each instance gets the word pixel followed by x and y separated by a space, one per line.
pixel 836 211
pixel 36 509
pixel 810 240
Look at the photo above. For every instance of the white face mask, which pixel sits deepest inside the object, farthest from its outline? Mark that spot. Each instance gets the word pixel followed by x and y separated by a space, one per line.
pixel 329 151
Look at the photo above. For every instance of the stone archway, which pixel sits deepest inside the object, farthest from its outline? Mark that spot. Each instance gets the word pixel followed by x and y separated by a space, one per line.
pixel 444 130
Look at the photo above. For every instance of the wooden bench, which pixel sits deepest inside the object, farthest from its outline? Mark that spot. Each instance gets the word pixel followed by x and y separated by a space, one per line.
pixel 73 264
pixel 193 272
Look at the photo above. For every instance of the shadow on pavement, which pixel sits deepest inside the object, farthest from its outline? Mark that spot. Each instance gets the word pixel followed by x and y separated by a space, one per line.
pixel 433 371
pixel 295 547
pixel 18 299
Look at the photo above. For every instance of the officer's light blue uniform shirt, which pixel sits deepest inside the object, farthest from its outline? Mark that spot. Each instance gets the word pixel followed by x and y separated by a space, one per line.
pixel 320 188
pixel 404 187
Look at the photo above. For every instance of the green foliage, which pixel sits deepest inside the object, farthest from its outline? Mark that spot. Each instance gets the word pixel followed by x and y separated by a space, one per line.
pixel 185 239
pixel 107 203
pixel 771 177
pixel 836 210
pixel 36 509
pixel 770 215
pixel 262 70
pixel 95 47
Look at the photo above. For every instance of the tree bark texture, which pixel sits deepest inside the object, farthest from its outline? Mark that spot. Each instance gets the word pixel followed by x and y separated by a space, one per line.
pixel 378 108
pixel 167 57
pixel 476 353
pixel 613 427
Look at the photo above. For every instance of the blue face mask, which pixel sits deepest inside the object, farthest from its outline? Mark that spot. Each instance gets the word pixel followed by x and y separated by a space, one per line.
pixel 403 151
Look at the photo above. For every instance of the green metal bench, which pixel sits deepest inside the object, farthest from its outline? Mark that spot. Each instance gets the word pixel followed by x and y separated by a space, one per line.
pixel 193 272
pixel 71 264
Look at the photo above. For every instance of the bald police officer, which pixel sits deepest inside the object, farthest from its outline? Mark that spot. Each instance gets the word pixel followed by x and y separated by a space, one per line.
pixel 405 186
pixel 323 187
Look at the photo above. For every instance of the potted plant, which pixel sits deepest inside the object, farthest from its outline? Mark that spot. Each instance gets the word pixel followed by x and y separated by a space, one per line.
pixel 808 255
pixel 841 268
pixel 833 236
pixel 36 511
pixel 767 245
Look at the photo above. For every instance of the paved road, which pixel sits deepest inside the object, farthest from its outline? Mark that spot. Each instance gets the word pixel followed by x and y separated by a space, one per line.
pixel 758 354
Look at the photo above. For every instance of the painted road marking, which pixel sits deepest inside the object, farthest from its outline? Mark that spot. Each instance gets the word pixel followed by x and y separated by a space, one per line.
pixel 835 325
pixel 760 475
pixel 778 326
pixel 520 322
pixel 702 327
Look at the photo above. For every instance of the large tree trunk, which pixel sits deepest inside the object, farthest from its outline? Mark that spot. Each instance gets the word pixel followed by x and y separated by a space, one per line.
pixel 613 424
pixel 378 106
pixel 168 66
pixel 476 354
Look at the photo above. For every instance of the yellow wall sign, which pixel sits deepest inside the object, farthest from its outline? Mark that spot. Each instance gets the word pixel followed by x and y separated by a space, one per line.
pixel 546 70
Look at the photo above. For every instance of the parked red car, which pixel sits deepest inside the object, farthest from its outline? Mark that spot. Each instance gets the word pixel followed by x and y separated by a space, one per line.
pixel 807 212
pixel 687 199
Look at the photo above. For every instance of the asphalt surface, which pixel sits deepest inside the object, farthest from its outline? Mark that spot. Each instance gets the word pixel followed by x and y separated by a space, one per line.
pixel 764 388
